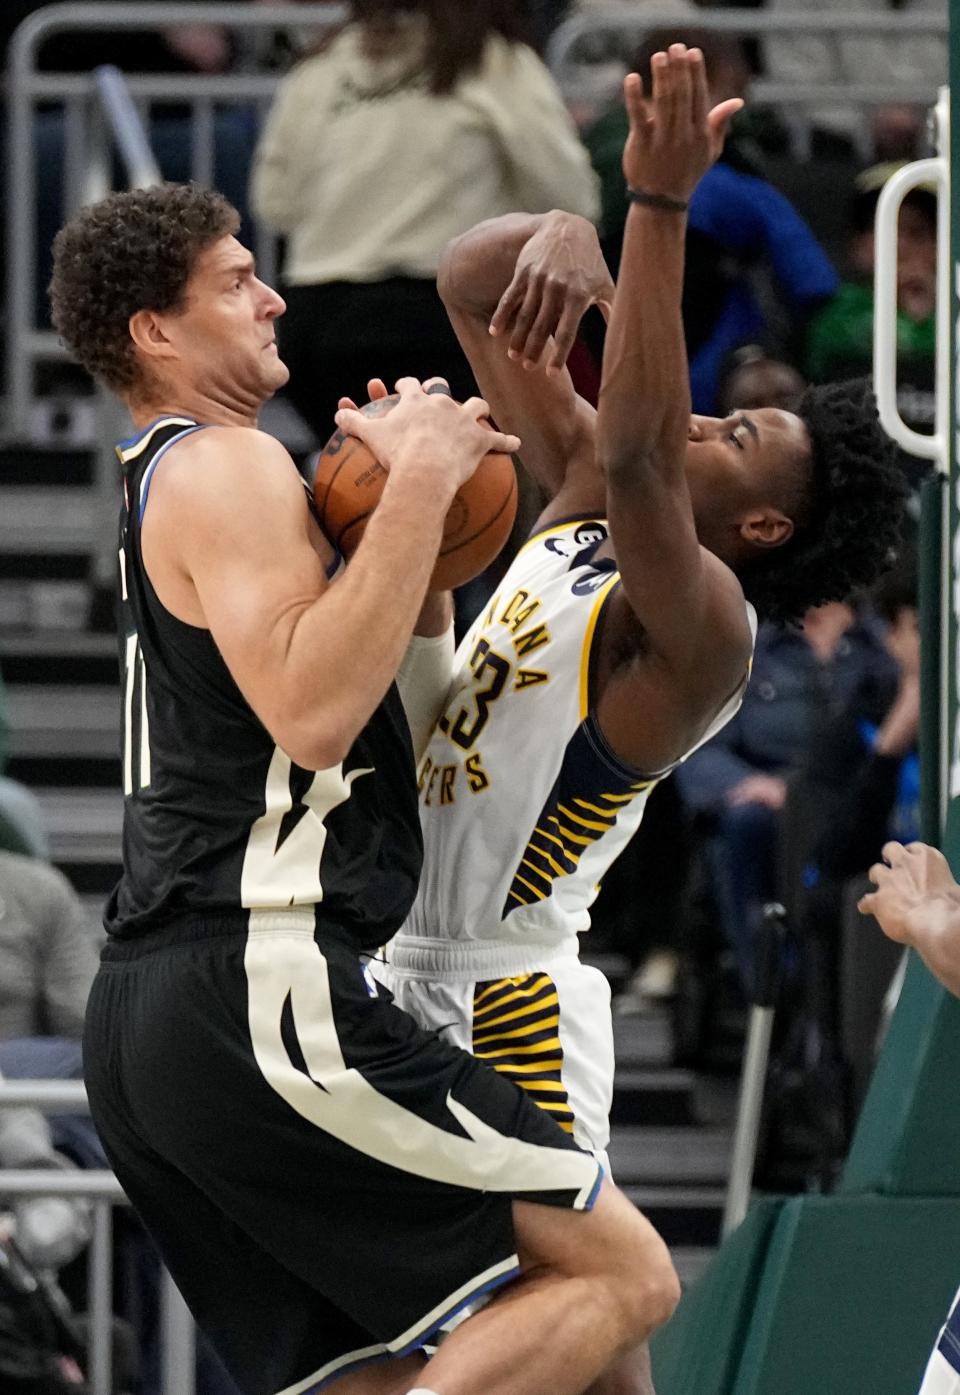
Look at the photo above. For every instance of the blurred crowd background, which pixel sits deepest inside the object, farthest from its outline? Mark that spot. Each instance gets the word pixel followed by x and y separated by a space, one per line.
pixel 388 135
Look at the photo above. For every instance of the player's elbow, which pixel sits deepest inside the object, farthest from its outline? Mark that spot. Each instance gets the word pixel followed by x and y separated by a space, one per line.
pixel 448 286
pixel 321 752
pixel 315 744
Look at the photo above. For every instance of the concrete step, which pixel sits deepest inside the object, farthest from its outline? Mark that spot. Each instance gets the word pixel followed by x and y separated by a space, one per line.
pixel 682 1215
pixel 668 1156
pixel 84 825
pixel 38 519
pixel 60 720
pixel 643 1040
pixel 35 655
pixel 649 1095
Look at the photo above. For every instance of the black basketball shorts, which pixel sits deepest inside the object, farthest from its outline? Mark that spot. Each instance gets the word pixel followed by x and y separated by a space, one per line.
pixel 327 1183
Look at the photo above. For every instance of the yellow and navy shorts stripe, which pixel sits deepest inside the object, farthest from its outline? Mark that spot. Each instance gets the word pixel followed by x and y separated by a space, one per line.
pixel 516 1030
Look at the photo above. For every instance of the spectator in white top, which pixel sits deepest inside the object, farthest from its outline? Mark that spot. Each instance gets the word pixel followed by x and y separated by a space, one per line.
pixel 410 124
pixel 48 952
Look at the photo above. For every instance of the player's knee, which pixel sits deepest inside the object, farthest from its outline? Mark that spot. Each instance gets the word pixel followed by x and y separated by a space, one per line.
pixel 638 1271
pixel 647 1289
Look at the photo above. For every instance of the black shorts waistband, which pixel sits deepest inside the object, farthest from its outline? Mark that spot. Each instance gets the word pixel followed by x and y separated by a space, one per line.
pixel 198 927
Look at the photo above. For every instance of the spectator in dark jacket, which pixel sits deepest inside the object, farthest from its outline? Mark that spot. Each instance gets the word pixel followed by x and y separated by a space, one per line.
pixel 737 783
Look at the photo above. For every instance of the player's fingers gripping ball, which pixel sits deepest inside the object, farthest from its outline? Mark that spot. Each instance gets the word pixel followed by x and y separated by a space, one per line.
pixel 349 480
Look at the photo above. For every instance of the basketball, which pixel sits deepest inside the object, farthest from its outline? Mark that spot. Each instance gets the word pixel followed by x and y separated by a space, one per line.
pixel 349 480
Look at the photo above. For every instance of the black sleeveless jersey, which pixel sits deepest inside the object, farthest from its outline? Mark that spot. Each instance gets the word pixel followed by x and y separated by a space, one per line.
pixel 216 817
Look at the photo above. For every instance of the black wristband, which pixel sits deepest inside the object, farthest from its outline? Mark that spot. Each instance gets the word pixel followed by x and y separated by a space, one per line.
pixel 664 201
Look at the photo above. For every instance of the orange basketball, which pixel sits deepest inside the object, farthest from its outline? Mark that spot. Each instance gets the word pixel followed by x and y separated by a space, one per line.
pixel 348 481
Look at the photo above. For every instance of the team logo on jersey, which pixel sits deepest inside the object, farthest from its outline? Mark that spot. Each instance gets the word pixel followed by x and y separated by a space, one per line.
pixel 584 539
pixel 595 578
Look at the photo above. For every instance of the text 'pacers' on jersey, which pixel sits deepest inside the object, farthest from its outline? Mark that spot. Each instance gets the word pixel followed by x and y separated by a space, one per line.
pixel 523 805
pixel 216 816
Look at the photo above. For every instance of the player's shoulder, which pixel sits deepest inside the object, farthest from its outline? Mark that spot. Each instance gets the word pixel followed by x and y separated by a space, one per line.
pixel 219 473
pixel 242 457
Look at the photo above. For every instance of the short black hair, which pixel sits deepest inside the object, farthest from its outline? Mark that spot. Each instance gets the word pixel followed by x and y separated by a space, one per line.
pixel 899 589
pixel 850 516
pixel 134 250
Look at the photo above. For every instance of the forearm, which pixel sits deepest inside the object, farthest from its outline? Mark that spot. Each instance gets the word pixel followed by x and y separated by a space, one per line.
pixel 477 267
pixel 644 409
pixel 423 682
pixel 936 938
pixel 343 650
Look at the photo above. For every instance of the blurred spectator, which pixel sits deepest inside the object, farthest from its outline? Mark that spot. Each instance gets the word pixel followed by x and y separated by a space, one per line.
pixel 48 954
pixel 857 786
pixel 412 123
pixel 753 380
pixel 739 227
pixel 50 1231
pixel 737 783
pixel 897 133
pixel 840 337
pixel 21 822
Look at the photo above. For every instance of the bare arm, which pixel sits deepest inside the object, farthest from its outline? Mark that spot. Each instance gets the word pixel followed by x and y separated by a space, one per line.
pixel 516 289
pixel 917 903
pixel 312 659
pixel 680 593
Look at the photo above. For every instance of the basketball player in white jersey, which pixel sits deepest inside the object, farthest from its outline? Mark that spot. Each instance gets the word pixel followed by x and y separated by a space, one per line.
pixel 620 638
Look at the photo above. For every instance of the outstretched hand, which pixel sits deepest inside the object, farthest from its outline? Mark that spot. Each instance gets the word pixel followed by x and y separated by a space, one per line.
pixel 910 882
pixel 675 136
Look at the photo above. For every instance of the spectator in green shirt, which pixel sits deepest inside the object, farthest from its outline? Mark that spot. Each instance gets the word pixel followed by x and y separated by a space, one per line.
pixel 840 337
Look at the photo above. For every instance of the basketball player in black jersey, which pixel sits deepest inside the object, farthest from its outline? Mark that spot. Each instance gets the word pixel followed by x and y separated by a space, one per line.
pixel 327 1183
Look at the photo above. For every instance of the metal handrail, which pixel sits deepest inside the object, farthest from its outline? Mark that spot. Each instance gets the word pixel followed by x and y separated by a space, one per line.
pixel 932 445
pixel 126 126
pixel 641 19
pixel 101 1188
pixel 26 86
pixel 634 21
pixel 49 1096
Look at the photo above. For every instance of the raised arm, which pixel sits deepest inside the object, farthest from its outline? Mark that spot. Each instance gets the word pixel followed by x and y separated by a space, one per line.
pixel 516 289
pixel 681 594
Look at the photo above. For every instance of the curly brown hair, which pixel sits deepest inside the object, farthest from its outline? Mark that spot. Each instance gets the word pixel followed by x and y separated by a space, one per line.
pixel 131 251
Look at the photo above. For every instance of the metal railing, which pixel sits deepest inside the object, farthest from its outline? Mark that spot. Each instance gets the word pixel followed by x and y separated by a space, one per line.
pixel 104 1192
pixel 626 24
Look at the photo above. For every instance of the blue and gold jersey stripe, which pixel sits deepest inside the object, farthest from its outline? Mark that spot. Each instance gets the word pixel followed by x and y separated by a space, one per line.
pixel 516 1030
pixel 583 805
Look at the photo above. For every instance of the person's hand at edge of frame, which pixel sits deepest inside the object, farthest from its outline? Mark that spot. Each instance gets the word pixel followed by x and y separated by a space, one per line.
pixel 907 881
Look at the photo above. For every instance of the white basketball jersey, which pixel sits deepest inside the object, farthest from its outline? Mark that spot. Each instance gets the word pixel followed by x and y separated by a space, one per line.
pixel 523 805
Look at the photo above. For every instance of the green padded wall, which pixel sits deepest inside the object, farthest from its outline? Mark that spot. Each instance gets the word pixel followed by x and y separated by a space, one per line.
pixel 817 1296
pixel 908 1136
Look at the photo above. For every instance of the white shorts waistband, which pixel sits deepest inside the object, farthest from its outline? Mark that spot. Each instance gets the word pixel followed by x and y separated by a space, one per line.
pixel 419 956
